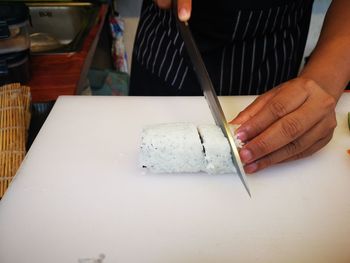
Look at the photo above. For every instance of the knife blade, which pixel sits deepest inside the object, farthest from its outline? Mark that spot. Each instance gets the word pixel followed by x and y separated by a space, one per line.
pixel 209 93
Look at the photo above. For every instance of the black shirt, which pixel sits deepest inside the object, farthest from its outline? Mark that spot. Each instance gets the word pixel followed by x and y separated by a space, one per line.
pixel 248 46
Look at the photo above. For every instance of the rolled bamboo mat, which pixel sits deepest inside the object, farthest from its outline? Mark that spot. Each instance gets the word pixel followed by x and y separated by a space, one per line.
pixel 14 123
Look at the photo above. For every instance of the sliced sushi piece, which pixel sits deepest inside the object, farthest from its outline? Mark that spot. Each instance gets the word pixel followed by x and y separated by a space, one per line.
pixel 218 158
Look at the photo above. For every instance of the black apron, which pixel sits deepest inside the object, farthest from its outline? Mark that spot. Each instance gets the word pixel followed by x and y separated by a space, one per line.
pixel 248 47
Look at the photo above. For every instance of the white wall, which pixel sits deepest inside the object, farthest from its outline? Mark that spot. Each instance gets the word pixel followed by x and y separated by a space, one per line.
pixel 318 14
pixel 130 28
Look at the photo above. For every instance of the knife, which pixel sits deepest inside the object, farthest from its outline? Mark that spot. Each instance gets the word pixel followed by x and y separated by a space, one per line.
pixel 209 92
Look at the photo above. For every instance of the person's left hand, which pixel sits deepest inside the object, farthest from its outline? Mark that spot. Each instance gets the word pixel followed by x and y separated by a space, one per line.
pixel 291 121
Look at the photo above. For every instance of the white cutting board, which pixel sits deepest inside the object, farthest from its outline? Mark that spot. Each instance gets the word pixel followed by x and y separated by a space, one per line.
pixel 80 193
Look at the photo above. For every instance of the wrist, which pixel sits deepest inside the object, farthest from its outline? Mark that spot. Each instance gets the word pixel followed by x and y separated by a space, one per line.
pixel 335 89
pixel 329 66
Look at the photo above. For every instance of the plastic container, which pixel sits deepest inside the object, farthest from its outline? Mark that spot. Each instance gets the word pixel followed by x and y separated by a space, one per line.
pixel 14 67
pixel 14 23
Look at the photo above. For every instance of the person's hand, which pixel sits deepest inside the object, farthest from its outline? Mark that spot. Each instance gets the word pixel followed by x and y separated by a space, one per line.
pixel 184 7
pixel 291 121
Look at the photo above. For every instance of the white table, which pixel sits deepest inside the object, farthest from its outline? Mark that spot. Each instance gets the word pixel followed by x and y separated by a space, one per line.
pixel 80 193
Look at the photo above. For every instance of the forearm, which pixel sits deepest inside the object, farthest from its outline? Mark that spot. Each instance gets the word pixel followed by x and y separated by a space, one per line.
pixel 329 64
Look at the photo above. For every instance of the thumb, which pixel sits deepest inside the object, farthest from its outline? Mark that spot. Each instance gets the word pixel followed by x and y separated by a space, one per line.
pixel 184 8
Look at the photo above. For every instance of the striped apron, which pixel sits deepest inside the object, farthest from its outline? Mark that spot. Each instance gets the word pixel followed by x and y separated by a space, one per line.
pixel 248 49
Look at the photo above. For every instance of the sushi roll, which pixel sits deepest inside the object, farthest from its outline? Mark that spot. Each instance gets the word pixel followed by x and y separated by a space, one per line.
pixel 185 148
pixel 172 148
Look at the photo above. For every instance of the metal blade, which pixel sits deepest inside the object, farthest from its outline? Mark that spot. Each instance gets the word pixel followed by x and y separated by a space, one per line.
pixel 210 94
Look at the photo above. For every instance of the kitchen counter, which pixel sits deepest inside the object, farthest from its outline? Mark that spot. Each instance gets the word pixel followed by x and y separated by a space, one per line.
pixel 62 74
pixel 80 193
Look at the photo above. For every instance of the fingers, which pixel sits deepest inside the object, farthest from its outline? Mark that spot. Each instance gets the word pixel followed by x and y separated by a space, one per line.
pixel 310 151
pixel 283 103
pixel 292 121
pixel 285 130
pixel 296 107
pixel 302 147
pixel 261 164
pixel 184 7
pixel 254 107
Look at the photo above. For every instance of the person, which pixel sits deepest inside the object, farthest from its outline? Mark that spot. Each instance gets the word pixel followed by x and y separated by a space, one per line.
pixel 252 47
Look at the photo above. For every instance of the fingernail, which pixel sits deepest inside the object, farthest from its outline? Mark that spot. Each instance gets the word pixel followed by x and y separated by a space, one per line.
pixel 246 155
pixel 251 168
pixel 242 136
pixel 184 15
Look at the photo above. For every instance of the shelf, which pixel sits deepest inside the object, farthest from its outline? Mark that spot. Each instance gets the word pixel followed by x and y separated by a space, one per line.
pixel 64 74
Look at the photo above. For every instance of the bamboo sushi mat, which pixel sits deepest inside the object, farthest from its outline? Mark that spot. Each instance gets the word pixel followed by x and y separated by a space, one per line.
pixel 14 123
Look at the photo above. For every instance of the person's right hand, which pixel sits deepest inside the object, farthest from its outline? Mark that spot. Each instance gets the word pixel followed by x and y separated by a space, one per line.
pixel 184 7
